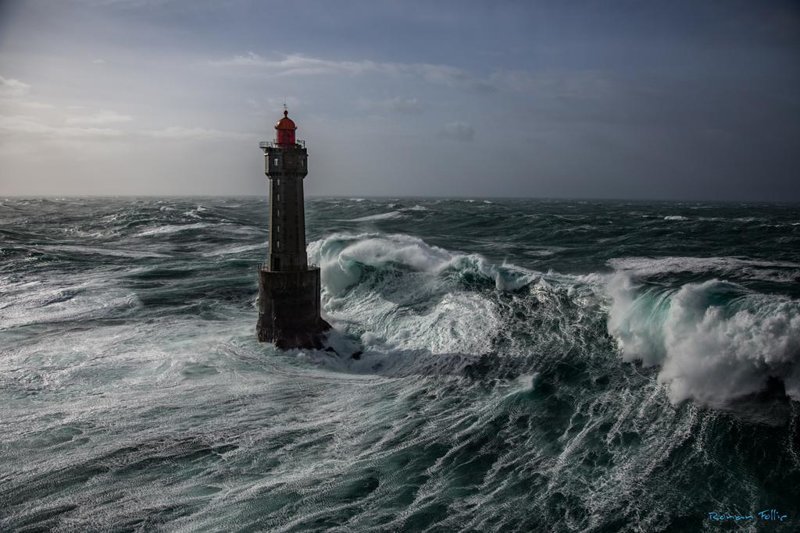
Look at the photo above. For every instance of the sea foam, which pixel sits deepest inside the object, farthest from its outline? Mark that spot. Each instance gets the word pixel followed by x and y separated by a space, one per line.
pixel 343 256
pixel 729 267
pixel 391 215
pixel 714 341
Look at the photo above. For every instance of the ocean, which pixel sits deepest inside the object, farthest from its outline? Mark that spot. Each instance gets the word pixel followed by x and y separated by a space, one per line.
pixel 527 365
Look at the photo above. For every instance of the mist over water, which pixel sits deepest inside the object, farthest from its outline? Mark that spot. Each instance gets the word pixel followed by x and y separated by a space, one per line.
pixel 528 365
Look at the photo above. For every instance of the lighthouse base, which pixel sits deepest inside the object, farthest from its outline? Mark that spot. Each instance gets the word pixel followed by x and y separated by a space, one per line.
pixel 289 309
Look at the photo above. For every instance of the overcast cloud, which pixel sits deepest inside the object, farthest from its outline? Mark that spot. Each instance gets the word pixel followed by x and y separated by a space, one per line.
pixel 664 100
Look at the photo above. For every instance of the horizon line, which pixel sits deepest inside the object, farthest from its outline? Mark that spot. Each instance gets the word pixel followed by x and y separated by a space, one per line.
pixel 433 197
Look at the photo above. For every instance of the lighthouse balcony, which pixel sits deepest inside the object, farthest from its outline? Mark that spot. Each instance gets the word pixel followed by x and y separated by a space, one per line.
pixel 272 144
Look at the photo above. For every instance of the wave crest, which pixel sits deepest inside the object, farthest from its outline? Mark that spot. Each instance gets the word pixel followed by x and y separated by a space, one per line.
pixel 344 258
pixel 398 292
pixel 714 341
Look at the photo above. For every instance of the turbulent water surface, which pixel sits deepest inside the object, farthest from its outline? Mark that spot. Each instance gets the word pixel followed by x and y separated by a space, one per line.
pixel 527 365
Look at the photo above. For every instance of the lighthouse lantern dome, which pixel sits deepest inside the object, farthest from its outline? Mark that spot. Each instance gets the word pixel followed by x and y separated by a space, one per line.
pixel 285 130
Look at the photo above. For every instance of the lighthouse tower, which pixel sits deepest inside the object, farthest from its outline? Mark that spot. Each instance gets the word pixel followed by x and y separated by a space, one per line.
pixel 288 288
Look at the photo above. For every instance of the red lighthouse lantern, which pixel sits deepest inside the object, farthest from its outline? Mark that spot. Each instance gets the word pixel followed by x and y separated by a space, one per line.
pixel 285 129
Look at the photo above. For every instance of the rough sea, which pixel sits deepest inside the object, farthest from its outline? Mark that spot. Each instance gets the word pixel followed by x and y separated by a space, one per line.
pixel 527 365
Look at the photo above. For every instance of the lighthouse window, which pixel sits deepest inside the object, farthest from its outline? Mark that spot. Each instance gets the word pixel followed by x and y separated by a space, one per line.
pixel 275 161
pixel 279 182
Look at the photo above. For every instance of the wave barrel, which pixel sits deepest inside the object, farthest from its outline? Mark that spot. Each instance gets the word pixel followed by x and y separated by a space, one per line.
pixel 288 288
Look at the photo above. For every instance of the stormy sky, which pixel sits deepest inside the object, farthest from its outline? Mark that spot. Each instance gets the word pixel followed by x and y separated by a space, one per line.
pixel 614 99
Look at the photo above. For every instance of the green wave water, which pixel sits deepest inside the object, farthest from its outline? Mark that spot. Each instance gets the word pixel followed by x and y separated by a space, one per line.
pixel 527 366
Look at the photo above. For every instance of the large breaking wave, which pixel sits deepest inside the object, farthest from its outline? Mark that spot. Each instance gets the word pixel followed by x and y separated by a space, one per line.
pixel 713 341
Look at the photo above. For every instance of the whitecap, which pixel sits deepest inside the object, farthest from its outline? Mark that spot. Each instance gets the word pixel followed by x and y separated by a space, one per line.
pixel 342 257
pixel 168 229
pixel 708 351
pixel 391 215
pixel 780 271
pixel 82 302
pixel 99 251
pixel 236 249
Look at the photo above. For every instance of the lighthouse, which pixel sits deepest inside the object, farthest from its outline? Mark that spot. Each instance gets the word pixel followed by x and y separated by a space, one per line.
pixel 288 288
